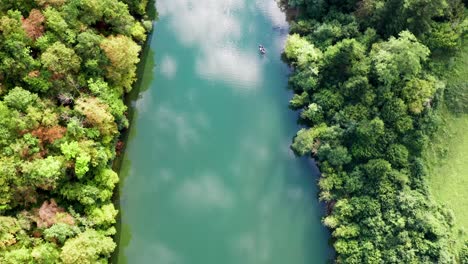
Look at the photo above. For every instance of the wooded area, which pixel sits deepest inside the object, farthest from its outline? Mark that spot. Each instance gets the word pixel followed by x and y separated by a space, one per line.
pixel 366 87
pixel 65 66
pixel 365 82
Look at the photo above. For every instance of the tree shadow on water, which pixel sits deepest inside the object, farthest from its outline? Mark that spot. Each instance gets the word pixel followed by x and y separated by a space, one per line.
pixel 315 234
pixel 121 165
pixel 123 235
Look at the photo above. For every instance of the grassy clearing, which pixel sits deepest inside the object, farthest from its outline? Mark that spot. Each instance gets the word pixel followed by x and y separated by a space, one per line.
pixel 447 155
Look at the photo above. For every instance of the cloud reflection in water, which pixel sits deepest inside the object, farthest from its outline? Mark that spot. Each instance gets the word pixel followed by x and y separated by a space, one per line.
pixel 168 67
pixel 213 28
pixel 205 191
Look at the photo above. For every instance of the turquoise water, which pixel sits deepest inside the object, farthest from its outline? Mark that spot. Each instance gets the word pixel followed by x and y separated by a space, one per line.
pixel 208 176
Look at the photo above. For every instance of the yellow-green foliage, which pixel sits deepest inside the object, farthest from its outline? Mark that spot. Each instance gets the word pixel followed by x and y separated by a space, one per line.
pixel 88 247
pixel 123 53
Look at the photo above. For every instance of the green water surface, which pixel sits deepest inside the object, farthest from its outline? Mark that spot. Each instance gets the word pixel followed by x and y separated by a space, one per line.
pixel 208 176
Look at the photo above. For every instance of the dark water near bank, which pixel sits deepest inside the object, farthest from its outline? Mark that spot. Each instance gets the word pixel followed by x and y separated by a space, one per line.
pixel 208 177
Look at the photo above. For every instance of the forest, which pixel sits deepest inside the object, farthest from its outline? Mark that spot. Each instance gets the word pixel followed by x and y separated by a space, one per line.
pixel 368 81
pixel 369 77
pixel 65 66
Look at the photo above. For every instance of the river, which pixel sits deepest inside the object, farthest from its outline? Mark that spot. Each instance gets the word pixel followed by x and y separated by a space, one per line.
pixel 207 174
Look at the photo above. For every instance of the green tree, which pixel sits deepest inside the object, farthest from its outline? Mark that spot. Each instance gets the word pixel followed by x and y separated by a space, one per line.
pixel 110 95
pixel 86 194
pixel 304 141
pixel 335 155
pixel 397 155
pixel 45 3
pixel 136 6
pixel 111 12
pixel 55 22
pixel 60 232
pixel 60 60
pixel 46 253
pixel 299 100
pixel 43 172
pixel 8 173
pixel 70 149
pixel 419 13
pixel 107 178
pixel 97 114
pixel 344 60
pixel 369 135
pixel 464 253
pixel 87 248
pixel 87 47
pixel 417 92
pixel 313 113
pixel 302 52
pixel 17 256
pixel 313 8
pixel 20 99
pixel 16 60
pixel 123 55
pixel 103 216
pixel 82 164
pixel 9 227
pixel 398 59
pixel 444 36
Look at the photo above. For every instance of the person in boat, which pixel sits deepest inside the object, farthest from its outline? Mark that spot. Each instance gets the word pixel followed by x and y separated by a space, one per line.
pixel 262 49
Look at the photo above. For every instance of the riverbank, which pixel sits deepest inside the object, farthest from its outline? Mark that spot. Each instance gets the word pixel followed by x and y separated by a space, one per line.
pixel 130 100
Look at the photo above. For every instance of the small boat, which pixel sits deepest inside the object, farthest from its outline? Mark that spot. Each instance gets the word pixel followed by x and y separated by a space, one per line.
pixel 261 49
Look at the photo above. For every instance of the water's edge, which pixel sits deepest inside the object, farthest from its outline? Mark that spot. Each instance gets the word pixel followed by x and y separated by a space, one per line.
pixel 129 99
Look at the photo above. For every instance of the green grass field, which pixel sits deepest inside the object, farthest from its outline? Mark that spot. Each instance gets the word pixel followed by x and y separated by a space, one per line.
pixel 447 155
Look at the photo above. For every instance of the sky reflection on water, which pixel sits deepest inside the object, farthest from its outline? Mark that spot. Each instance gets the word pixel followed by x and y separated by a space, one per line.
pixel 213 27
pixel 212 178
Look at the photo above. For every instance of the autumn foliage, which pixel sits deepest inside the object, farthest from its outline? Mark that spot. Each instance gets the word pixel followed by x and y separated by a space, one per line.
pixel 50 213
pixel 33 25
pixel 47 135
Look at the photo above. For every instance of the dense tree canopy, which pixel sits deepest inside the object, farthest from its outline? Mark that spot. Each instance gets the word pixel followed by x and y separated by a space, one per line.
pixel 65 66
pixel 364 87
